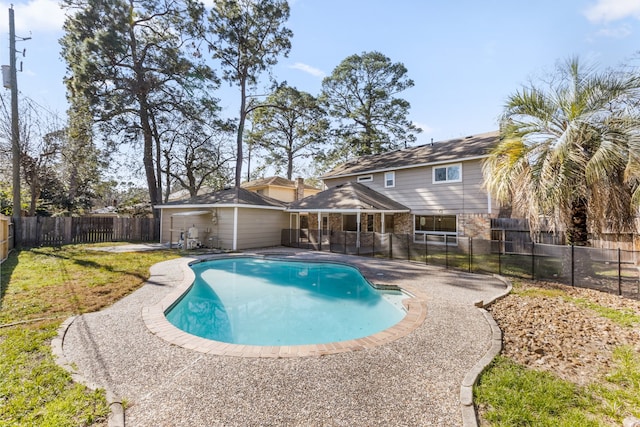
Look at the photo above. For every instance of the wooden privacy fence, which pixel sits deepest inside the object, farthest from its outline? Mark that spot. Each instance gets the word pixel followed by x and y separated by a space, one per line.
pixel 6 237
pixel 46 231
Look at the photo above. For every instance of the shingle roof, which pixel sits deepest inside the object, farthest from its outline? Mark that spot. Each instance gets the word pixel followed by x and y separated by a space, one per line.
pixel 228 196
pixel 438 152
pixel 274 181
pixel 348 196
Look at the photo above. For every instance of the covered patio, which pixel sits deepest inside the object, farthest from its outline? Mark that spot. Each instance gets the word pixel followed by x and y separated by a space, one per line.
pixel 349 214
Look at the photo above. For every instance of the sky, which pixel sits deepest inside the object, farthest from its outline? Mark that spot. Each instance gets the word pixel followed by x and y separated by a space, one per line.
pixel 465 56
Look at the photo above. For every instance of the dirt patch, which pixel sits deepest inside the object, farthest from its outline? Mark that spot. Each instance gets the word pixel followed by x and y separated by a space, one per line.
pixel 562 329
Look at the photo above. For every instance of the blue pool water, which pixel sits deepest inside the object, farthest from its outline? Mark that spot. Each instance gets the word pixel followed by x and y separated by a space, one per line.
pixel 256 301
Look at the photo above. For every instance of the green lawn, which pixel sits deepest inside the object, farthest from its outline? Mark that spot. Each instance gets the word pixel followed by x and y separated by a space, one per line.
pixel 40 288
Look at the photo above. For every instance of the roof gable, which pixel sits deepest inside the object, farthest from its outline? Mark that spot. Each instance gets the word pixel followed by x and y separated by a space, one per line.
pixel 274 181
pixel 453 150
pixel 350 196
pixel 228 196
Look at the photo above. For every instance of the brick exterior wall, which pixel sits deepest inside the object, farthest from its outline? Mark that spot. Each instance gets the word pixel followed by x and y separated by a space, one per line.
pixel 476 226
pixel 403 223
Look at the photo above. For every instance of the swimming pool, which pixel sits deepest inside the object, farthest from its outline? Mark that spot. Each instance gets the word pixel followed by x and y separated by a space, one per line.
pixel 269 302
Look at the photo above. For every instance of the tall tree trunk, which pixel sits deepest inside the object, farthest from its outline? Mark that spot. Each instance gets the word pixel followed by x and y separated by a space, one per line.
pixel 289 165
pixel 578 234
pixel 243 116
pixel 147 132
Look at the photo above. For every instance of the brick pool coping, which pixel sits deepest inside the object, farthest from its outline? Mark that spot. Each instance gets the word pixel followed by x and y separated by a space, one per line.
pixel 155 320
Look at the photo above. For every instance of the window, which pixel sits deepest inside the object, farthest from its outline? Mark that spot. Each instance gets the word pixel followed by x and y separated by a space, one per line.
pixel 448 173
pixel 369 223
pixel 349 223
pixel 365 178
pixel 389 179
pixel 304 221
pixel 436 223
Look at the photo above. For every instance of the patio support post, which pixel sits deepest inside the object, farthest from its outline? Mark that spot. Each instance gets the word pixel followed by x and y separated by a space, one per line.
pixel 320 231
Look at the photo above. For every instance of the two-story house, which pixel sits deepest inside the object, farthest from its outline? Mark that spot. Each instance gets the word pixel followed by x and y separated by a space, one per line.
pixel 434 192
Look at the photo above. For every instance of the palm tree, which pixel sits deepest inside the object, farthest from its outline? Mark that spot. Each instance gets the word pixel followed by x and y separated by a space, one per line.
pixel 570 152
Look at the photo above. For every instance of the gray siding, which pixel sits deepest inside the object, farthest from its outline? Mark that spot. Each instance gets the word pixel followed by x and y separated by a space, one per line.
pixel 259 228
pixel 256 227
pixel 415 189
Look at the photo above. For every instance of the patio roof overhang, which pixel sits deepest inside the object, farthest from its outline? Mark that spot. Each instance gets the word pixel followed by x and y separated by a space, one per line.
pixel 350 197
pixel 349 210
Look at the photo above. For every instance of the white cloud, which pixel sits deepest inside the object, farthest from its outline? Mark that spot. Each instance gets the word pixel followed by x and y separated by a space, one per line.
pixel 620 32
pixel 35 15
pixel 308 69
pixel 612 10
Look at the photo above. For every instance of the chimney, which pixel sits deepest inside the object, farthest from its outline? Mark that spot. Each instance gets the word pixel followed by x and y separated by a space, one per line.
pixel 299 188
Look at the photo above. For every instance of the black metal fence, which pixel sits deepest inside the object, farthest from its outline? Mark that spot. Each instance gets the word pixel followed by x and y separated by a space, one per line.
pixel 610 270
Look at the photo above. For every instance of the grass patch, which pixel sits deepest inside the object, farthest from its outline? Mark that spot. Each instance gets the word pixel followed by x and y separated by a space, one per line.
pixel 512 395
pixel 622 316
pixel 509 394
pixel 55 283
pixel 620 394
pixel 34 391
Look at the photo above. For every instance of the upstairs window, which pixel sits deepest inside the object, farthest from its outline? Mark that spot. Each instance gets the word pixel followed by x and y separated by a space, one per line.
pixel 389 179
pixel 365 178
pixel 447 173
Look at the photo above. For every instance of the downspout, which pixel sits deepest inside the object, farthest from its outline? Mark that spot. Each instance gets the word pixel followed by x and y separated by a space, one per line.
pixel 320 230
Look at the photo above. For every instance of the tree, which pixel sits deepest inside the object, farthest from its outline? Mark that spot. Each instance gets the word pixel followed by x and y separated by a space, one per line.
pixel 361 95
pixel 197 156
pixel 569 152
pixel 41 138
pixel 127 57
pixel 247 37
pixel 291 126
pixel 81 162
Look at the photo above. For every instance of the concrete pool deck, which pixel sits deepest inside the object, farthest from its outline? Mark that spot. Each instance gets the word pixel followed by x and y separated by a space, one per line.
pixel 422 378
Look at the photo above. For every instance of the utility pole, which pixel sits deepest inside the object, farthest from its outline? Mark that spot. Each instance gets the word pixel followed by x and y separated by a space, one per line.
pixel 15 131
